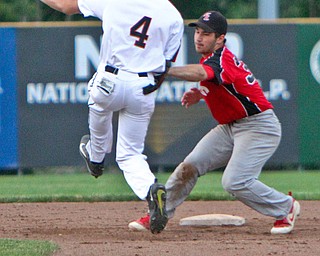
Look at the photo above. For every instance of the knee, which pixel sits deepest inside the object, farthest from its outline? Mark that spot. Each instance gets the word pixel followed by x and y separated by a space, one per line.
pixel 187 171
pixel 184 172
pixel 226 184
pixel 233 184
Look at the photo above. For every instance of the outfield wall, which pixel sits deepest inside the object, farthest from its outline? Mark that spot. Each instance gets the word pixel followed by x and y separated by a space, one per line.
pixel 44 69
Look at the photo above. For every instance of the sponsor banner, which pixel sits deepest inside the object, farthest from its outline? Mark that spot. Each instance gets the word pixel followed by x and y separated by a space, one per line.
pixel 8 103
pixel 53 74
pixel 55 65
pixel 273 62
pixel 308 61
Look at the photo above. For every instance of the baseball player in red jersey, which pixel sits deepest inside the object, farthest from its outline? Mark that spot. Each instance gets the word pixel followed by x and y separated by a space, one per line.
pixel 140 39
pixel 247 135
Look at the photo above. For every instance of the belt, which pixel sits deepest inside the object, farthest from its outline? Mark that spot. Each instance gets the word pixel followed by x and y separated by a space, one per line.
pixel 115 71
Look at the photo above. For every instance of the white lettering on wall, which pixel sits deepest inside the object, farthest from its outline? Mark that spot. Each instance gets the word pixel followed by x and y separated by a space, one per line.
pixel 57 93
pixel 278 89
pixel 86 55
pixel 172 92
pixel 63 93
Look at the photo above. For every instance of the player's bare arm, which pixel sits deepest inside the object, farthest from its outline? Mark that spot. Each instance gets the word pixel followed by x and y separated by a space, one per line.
pixel 68 7
pixel 191 72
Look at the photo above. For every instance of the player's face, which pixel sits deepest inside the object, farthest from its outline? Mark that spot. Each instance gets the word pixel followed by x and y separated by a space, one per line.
pixel 205 42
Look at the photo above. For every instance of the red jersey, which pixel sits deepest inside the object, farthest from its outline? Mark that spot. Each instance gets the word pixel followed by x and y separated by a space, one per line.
pixel 233 91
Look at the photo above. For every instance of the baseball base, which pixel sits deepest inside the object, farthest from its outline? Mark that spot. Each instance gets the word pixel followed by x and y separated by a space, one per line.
pixel 212 220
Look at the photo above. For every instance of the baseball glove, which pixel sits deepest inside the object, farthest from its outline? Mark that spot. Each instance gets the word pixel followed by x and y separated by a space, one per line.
pixel 158 80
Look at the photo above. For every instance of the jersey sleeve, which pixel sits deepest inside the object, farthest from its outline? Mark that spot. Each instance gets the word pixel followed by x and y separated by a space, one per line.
pixel 174 43
pixel 221 62
pixel 209 71
pixel 92 8
pixel 214 64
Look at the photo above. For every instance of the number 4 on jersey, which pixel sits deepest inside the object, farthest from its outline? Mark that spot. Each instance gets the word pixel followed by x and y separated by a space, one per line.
pixel 140 30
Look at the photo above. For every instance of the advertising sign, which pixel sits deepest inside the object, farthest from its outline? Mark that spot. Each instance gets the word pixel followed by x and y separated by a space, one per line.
pixel 308 61
pixel 8 100
pixel 55 64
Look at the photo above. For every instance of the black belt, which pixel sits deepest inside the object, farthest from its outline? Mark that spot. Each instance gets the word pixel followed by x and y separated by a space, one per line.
pixel 115 71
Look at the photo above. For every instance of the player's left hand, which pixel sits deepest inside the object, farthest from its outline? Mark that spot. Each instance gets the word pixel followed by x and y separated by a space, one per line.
pixel 191 97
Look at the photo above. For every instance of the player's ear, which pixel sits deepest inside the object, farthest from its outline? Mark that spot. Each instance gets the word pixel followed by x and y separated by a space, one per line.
pixel 221 39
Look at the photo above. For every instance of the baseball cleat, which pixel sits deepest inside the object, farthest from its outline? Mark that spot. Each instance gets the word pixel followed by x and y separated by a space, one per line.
pixel 157 208
pixel 95 169
pixel 142 224
pixel 286 225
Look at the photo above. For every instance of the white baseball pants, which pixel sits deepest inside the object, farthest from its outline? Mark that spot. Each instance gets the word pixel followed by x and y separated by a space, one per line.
pixel 135 111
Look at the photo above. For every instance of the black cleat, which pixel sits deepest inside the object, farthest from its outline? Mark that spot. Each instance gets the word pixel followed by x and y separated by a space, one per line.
pixel 95 169
pixel 157 207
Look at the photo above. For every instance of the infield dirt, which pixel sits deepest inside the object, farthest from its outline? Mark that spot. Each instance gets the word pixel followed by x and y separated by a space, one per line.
pixel 101 229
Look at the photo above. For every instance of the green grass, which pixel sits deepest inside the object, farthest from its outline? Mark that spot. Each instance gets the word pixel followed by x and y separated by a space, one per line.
pixel 64 188
pixel 11 247
pixel 79 187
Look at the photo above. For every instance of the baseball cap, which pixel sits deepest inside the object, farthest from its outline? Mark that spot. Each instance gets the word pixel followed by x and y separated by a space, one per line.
pixel 212 21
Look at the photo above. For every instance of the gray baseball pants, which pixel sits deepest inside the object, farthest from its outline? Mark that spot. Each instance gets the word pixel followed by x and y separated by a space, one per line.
pixel 243 148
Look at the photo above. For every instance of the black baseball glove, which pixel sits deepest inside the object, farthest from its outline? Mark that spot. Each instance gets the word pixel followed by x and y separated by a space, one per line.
pixel 158 80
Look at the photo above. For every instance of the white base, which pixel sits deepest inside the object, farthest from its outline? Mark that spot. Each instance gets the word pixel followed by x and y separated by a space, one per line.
pixel 212 220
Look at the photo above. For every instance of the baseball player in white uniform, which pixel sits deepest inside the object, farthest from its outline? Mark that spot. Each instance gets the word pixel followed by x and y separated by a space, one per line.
pixel 140 39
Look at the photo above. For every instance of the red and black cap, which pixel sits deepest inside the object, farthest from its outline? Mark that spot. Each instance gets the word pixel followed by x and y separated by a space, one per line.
pixel 212 22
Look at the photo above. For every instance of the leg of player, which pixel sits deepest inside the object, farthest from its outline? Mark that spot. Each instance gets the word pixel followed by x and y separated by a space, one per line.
pixel 286 224
pixel 156 218
pixel 95 169
pixel 157 207
pixel 179 186
pixel 94 147
pixel 254 144
pixel 211 152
